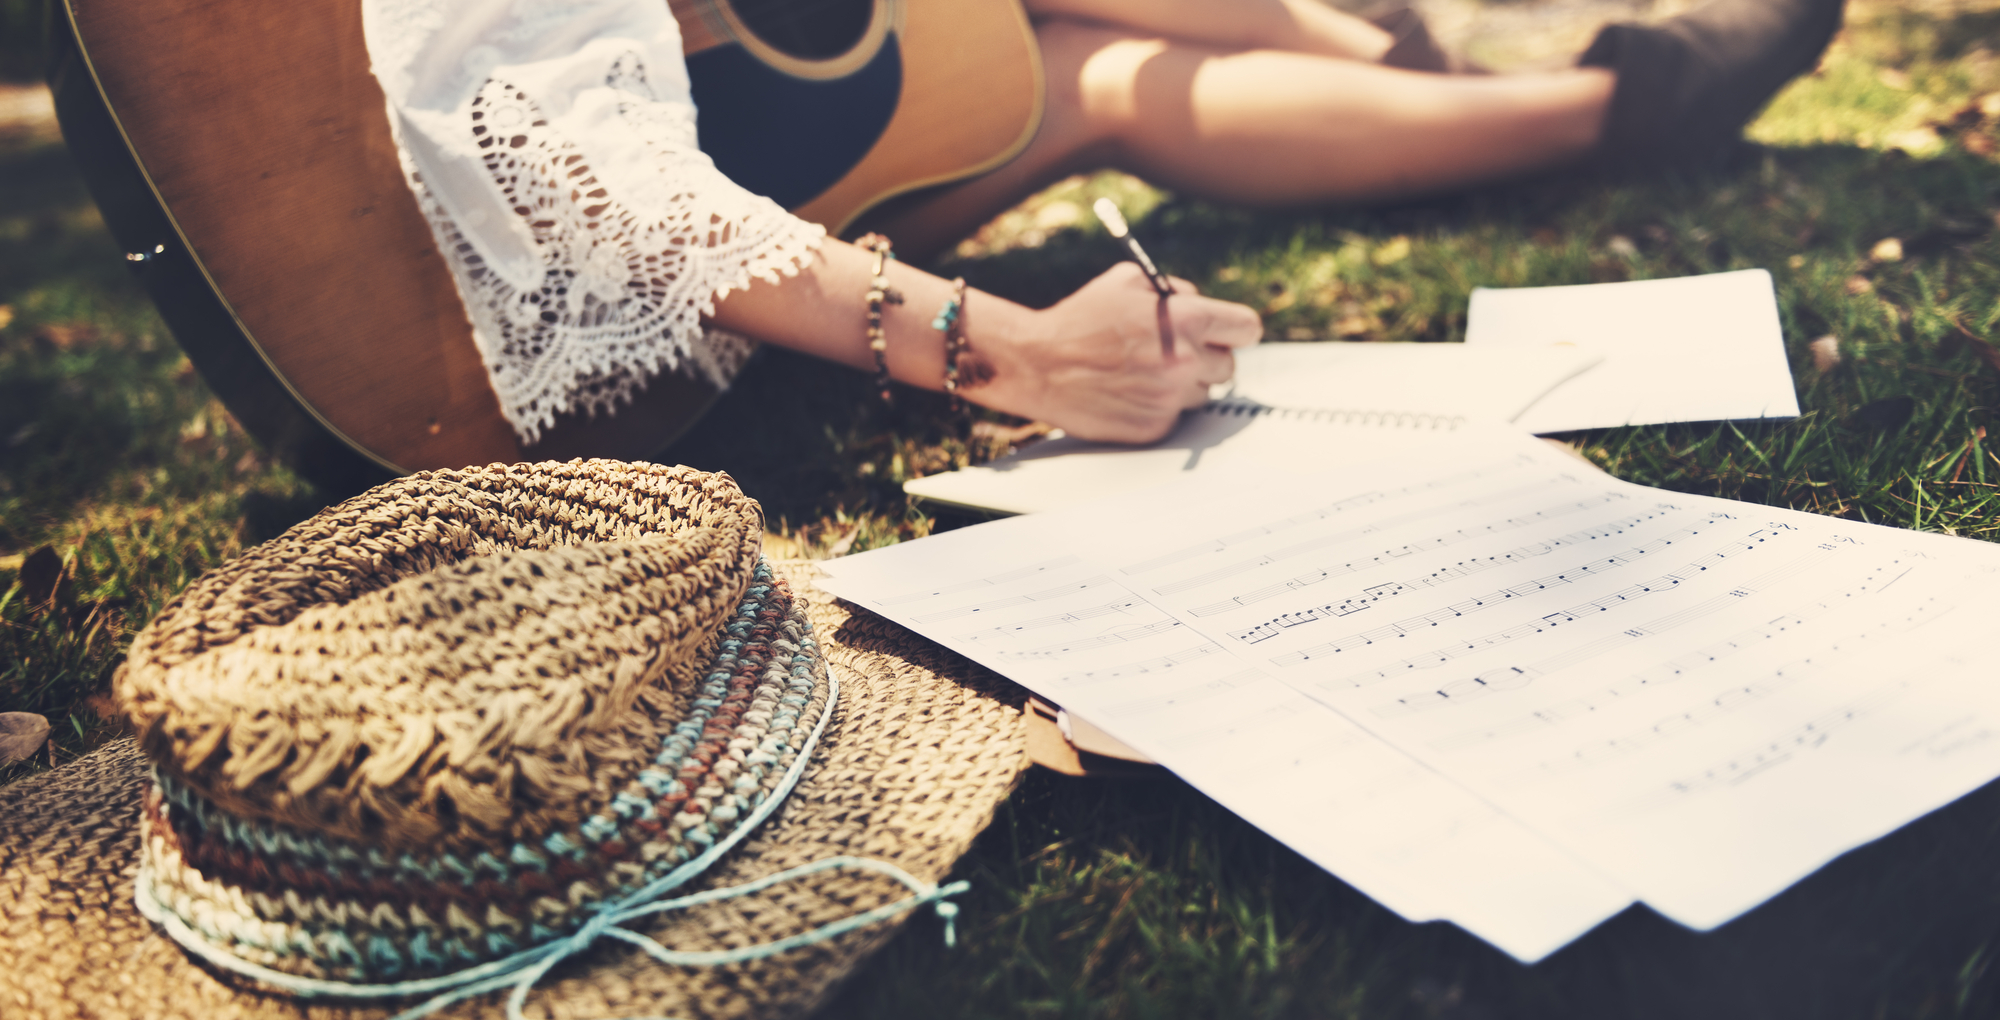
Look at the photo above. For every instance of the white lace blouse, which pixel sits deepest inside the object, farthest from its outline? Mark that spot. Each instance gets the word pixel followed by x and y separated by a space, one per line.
pixel 551 145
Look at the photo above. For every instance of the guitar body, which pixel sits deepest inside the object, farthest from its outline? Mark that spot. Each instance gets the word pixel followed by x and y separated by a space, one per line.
pixel 241 153
pixel 926 92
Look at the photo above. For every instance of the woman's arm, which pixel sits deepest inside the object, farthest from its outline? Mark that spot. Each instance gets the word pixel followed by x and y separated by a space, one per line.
pixel 1092 364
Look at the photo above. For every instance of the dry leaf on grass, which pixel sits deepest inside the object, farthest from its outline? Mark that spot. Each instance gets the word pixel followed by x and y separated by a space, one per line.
pixel 42 580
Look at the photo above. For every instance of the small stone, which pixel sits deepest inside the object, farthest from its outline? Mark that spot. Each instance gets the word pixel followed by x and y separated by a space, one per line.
pixel 21 734
pixel 1825 353
pixel 1858 285
pixel 1888 249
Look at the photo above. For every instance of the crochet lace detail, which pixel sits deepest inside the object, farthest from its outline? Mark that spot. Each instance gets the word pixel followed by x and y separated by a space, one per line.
pixel 632 243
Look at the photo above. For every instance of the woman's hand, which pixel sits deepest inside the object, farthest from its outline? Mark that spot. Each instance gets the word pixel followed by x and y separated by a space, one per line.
pixel 1093 364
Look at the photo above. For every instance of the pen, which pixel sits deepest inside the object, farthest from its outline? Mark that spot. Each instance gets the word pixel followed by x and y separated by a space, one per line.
pixel 1114 221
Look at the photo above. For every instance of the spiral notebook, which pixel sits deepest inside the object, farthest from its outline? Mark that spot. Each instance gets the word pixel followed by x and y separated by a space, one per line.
pixel 1293 408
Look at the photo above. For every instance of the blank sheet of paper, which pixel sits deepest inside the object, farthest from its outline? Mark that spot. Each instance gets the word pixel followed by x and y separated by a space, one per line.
pixel 1441 380
pixel 1693 348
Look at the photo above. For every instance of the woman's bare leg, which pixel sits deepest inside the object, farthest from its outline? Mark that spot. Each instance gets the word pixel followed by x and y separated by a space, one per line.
pixel 1264 127
pixel 1298 26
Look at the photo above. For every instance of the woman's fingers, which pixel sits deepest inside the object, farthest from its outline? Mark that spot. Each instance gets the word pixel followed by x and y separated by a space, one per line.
pixel 1214 365
pixel 1094 364
pixel 1208 332
pixel 1205 321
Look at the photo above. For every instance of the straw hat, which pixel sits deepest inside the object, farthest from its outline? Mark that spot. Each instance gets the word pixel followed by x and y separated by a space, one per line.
pixel 473 715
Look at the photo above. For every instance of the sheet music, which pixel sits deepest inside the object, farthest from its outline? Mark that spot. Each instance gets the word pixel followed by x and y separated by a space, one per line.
pixel 1062 626
pixel 1696 700
pixel 1694 695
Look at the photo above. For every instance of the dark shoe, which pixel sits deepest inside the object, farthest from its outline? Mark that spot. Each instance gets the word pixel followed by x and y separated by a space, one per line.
pixel 1415 49
pixel 1688 85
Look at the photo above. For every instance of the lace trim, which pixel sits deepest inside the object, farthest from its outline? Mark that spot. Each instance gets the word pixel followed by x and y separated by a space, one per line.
pixel 624 277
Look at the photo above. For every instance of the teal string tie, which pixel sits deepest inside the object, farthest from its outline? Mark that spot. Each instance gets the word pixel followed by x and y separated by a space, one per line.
pixel 523 970
pixel 608 925
pixel 947 912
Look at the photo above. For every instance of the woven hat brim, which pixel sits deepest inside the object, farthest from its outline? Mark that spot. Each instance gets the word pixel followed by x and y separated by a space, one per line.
pixel 921 749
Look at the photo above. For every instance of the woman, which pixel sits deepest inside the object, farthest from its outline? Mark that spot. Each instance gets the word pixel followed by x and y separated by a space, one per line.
pixel 552 146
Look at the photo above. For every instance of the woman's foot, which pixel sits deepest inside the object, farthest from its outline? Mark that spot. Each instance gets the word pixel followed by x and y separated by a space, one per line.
pixel 1688 85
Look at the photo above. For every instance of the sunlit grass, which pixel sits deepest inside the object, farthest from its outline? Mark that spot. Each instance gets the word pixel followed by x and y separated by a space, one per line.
pixel 1144 899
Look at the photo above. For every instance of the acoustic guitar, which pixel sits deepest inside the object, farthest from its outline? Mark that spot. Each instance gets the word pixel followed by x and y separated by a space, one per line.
pixel 240 153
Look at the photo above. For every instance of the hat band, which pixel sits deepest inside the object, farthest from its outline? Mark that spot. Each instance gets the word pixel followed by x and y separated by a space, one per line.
pixel 307 906
pixel 521 971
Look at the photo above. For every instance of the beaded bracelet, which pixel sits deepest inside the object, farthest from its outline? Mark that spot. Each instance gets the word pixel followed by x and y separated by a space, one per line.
pixel 879 292
pixel 950 321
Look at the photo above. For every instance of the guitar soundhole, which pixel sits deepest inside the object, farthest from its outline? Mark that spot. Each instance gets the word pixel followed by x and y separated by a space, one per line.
pixel 807 29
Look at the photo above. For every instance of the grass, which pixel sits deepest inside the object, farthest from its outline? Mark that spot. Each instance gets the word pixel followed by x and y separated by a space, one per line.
pixel 1143 899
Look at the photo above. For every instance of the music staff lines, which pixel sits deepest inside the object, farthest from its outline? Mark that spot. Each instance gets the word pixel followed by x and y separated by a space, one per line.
pixel 1456 570
pixel 1758 759
pixel 1157 664
pixel 1322 541
pixel 1458 692
pixel 1272 628
pixel 1120 607
pixel 1116 637
pixel 1018 600
pixel 1723 702
pixel 1241 566
pixel 1224 542
pixel 1311 516
pixel 1752 761
pixel 1808 736
pixel 1161 701
pixel 1668 672
pixel 994 580
pixel 1624 596
pixel 1370 596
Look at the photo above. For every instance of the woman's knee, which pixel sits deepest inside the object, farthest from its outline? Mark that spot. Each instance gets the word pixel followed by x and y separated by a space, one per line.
pixel 1093 73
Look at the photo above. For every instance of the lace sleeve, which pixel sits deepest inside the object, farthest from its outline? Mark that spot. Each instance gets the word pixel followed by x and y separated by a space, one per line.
pixel 551 145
